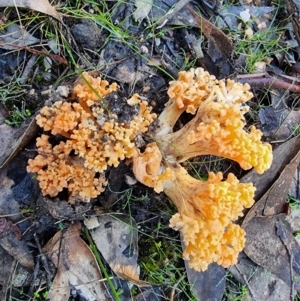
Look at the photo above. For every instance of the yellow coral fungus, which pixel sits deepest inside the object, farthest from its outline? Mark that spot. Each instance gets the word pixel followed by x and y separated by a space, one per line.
pixel 206 209
pixel 91 130
pixel 218 129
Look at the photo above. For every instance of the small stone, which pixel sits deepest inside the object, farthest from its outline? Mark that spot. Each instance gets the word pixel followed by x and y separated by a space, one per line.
pixel 87 33
pixel 63 91
pixel 144 49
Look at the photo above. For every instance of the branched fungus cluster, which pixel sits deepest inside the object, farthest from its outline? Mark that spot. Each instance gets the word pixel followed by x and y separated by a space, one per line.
pixel 94 138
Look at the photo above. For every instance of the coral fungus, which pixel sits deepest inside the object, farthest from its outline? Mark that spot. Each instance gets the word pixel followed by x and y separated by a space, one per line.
pixel 94 135
pixel 217 128
pixel 206 209
pixel 91 131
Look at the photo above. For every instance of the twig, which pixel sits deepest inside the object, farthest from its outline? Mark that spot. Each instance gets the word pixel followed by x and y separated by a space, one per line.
pixel 282 235
pixel 54 57
pixel 44 261
pixel 247 283
pixel 35 274
pixel 175 287
pixel 269 81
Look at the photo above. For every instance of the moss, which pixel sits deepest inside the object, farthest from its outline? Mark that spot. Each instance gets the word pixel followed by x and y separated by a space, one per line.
pixel 160 260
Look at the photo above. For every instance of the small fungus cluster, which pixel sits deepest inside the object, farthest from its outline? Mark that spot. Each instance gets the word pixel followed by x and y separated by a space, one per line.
pixel 93 138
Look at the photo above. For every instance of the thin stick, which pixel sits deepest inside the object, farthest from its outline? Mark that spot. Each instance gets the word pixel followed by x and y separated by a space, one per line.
pixel 247 283
pixel 175 287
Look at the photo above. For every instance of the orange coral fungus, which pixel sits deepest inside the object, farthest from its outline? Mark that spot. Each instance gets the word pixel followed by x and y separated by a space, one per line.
pixel 57 170
pixel 93 88
pixel 148 170
pixel 186 94
pixel 96 135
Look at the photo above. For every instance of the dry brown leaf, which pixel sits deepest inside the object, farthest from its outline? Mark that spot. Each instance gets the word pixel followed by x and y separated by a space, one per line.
pixel 42 6
pixel 217 37
pixel 258 282
pixel 115 236
pixel 273 201
pixel 266 247
pixel 76 267
pixel 12 140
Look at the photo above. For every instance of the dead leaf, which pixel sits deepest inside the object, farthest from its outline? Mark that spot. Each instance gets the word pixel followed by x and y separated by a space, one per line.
pixel 76 267
pixel 15 35
pixel 221 47
pixel 274 200
pixel 62 209
pixel 290 119
pixel 143 8
pixel 276 197
pixel 7 264
pixel 10 235
pixel 8 204
pixel 151 294
pixel 266 248
pixel 11 241
pixel 116 237
pixel 294 219
pixel 231 14
pixel 285 117
pixel 282 156
pixel 293 10
pixel 208 285
pixel 12 140
pixel 261 284
pixel 294 190
pixel 172 14
pixel 42 6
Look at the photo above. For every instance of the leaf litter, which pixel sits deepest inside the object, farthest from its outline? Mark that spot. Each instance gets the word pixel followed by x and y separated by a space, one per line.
pixel 268 232
pixel 116 237
pixel 74 269
pixel 42 6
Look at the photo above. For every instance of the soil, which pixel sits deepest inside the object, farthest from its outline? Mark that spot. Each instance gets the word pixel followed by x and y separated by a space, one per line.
pixel 127 61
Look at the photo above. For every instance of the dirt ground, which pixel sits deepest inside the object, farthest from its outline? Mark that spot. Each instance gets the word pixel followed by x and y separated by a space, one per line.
pixel 48 244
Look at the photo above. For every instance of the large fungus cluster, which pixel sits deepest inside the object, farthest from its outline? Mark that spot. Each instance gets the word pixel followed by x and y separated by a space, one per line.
pixel 93 138
pixel 206 209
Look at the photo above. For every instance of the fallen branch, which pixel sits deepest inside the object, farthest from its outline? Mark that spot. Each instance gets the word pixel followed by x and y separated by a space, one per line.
pixel 265 80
